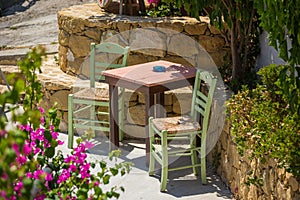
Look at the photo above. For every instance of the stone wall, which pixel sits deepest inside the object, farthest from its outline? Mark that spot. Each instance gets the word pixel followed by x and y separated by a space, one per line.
pixel 235 171
pixel 80 25
pixel 178 39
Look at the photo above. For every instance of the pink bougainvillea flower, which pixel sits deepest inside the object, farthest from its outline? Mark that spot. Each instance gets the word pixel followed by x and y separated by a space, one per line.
pixel 153 1
pixel 27 148
pixel 38 173
pixel 84 171
pixel 36 151
pixel 54 135
pixel 60 142
pixel 42 110
pixel 18 187
pixel 3 133
pixel 96 184
pixel 64 176
pixel 29 175
pixel 15 147
pixel 4 176
pixel 21 159
pixel 88 145
pixel 40 197
pixel 48 177
pixel 72 168
pixel 3 194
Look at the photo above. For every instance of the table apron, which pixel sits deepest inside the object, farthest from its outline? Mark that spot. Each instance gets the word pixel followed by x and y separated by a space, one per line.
pixel 149 89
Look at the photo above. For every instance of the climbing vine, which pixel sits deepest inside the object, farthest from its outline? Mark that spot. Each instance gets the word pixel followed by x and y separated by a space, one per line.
pixel 281 19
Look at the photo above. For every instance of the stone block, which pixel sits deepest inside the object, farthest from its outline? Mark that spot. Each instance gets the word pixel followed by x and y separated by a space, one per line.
pixel 80 45
pixel 266 183
pixel 94 34
pixel 211 44
pixel 176 26
pixel 181 60
pixel 195 28
pixel 141 98
pixel 62 57
pixel 136 115
pixel 147 23
pixel 168 98
pixel 61 97
pixel 63 38
pixel 182 45
pixel 134 59
pixel 292 182
pixel 123 25
pixel 182 99
pixel 221 57
pixel 252 192
pixel 148 42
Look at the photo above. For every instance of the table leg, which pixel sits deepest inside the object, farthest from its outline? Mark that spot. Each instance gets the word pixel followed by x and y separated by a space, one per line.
pixel 159 111
pixel 113 117
pixel 149 112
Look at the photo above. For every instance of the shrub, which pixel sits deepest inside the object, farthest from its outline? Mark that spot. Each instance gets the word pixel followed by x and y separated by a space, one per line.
pixel 263 123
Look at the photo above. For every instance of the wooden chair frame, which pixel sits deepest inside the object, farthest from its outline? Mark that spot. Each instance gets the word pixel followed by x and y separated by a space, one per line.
pixel 166 129
pixel 101 96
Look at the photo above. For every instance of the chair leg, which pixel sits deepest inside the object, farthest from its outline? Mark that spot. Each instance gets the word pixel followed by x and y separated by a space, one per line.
pixel 70 121
pixel 164 169
pixel 203 161
pixel 194 153
pixel 151 140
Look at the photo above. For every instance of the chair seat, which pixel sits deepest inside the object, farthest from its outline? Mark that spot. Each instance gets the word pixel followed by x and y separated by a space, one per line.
pixel 98 94
pixel 176 124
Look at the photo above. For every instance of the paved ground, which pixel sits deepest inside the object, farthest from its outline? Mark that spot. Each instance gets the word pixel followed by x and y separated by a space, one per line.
pixel 138 185
pixel 32 22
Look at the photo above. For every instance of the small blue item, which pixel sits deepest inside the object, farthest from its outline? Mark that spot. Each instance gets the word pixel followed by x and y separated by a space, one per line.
pixel 159 69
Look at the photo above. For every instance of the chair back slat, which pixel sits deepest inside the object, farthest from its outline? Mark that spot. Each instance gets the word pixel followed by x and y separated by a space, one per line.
pixel 199 110
pixel 201 102
pixel 202 96
pixel 112 56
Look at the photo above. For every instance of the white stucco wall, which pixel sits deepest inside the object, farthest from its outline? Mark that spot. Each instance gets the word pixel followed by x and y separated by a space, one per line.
pixel 268 54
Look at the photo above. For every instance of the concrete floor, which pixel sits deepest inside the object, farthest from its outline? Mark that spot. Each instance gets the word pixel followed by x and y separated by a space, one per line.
pixel 138 185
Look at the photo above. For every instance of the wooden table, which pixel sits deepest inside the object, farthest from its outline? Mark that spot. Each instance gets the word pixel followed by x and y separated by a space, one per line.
pixel 142 78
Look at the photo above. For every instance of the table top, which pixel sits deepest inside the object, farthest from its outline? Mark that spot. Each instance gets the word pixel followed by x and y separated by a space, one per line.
pixel 143 74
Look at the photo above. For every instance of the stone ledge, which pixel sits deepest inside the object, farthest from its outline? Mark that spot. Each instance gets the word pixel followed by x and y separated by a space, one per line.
pixel 11 56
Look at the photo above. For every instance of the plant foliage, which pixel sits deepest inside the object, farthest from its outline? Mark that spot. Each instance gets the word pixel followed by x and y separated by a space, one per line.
pixel 263 124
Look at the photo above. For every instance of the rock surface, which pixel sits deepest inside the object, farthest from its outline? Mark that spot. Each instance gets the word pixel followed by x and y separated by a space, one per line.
pixel 32 22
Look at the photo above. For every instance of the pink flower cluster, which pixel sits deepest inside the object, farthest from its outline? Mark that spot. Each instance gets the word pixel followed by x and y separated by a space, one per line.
pixel 37 143
pixel 77 161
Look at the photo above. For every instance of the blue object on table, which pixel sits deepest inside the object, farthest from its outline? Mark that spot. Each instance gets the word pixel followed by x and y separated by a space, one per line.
pixel 159 68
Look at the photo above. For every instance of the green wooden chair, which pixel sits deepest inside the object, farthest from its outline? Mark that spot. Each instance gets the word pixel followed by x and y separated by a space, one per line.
pixel 163 130
pixel 93 100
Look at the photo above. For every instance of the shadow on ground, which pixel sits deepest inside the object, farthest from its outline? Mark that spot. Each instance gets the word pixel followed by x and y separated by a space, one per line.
pixel 182 184
pixel 20 6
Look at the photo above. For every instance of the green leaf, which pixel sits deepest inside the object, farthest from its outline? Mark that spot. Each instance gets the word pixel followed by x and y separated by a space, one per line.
pixel 106 179
pixel 49 152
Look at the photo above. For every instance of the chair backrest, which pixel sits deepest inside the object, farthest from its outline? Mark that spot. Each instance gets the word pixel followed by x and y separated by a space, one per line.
pixel 204 87
pixel 106 55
